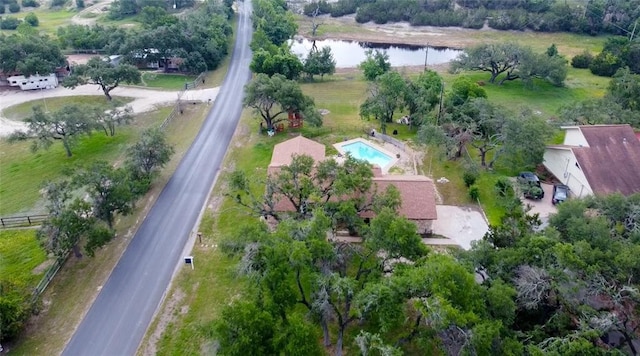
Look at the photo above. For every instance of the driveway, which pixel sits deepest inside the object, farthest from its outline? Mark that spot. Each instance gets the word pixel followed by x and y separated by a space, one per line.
pixel 542 206
pixel 460 224
pixel 144 99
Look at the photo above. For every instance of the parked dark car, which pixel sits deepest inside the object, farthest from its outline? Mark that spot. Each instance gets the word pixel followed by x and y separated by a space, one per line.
pixel 530 185
pixel 560 193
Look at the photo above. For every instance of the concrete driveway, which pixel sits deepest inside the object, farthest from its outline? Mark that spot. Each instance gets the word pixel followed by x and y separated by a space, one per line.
pixel 542 206
pixel 460 223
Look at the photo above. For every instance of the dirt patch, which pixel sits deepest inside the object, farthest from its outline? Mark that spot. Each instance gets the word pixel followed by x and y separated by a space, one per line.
pixel 41 268
pixel 164 318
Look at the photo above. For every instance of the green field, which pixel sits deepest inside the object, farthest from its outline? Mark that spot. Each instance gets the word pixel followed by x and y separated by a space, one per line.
pixel 49 19
pixel 21 111
pixel 542 98
pixel 22 171
pixel 20 254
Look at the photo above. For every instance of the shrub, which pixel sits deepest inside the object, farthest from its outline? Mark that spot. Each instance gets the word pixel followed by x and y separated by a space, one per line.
pixel 582 60
pixel 30 3
pixel 58 3
pixel 504 188
pixel 32 19
pixel 9 23
pixel 469 178
pixel 605 64
pixel 13 8
pixel 80 4
pixel 474 193
pixel 2 9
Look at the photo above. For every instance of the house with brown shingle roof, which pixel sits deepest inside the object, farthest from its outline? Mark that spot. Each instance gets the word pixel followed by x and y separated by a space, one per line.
pixel 417 192
pixel 596 159
pixel 284 152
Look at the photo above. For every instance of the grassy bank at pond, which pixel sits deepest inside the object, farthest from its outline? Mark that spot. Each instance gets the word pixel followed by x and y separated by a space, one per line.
pixel 20 256
pixel 348 29
pixel 21 111
pixel 77 284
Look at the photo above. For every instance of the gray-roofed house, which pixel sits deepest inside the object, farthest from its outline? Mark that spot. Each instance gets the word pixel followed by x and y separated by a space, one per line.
pixel 596 159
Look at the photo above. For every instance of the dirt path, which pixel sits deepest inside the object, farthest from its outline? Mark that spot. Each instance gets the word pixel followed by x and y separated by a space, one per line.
pixel 144 99
pixel 81 19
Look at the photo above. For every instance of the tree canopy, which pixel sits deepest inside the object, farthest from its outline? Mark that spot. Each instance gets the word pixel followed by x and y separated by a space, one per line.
pixel 384 99
pixel 512 61
pixel 103 74
pixel 66 125
pixel 271 97
pixel 319 62
pixel 376 64
pixel 29 54
pixel 297 264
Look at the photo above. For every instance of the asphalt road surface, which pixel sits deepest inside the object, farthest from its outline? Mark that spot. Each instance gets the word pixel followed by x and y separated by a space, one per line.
pixel 120 315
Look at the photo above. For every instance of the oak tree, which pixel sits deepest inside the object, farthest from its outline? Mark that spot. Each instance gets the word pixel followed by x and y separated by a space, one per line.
pixel 103 74
pixel 271 97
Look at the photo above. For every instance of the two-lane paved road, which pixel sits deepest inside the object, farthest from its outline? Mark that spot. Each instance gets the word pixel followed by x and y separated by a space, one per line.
pixel 120 315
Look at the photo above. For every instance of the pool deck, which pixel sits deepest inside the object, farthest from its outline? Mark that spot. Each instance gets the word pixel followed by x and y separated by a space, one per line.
pixel 392 155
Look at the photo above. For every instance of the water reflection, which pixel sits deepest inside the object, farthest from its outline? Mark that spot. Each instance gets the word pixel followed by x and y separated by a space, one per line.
pixel 351 53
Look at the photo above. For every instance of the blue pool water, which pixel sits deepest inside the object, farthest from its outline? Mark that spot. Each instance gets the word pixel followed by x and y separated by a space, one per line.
pixel 363 151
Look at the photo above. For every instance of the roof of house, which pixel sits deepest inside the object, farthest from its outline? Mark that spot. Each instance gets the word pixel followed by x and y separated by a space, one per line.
pixel 611 163
pixel 284 152
pixel 417 194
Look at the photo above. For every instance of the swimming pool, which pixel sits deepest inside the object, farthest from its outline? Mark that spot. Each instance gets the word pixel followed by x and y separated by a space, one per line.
pixel 361 150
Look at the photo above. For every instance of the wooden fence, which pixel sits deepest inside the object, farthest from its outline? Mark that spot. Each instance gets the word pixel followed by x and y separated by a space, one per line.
pixel 177 109
pixel 46 279
pixel 18 221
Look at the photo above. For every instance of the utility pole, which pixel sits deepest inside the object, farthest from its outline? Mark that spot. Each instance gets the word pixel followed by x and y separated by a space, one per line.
pixel 633 32
pixel 426 55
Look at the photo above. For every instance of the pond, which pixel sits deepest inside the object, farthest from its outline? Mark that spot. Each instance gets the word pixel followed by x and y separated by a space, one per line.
pixel 351 53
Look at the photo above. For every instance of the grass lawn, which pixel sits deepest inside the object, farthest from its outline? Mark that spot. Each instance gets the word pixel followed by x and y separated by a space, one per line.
pixel 49 19
pixel 166 81
pixel 542 97
pixel 20 254
pixel 22 172
pixel 24 110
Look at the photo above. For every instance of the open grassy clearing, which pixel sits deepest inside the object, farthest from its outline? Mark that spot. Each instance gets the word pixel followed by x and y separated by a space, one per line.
pixel 20 254
pixel 22 171
pixel 49 19
pixel 21 111
pixel 73 290
pixel 166 81
pixel 542 98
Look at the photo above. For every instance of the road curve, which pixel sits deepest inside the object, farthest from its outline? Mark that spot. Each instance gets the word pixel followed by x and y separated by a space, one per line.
pixel 118 319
